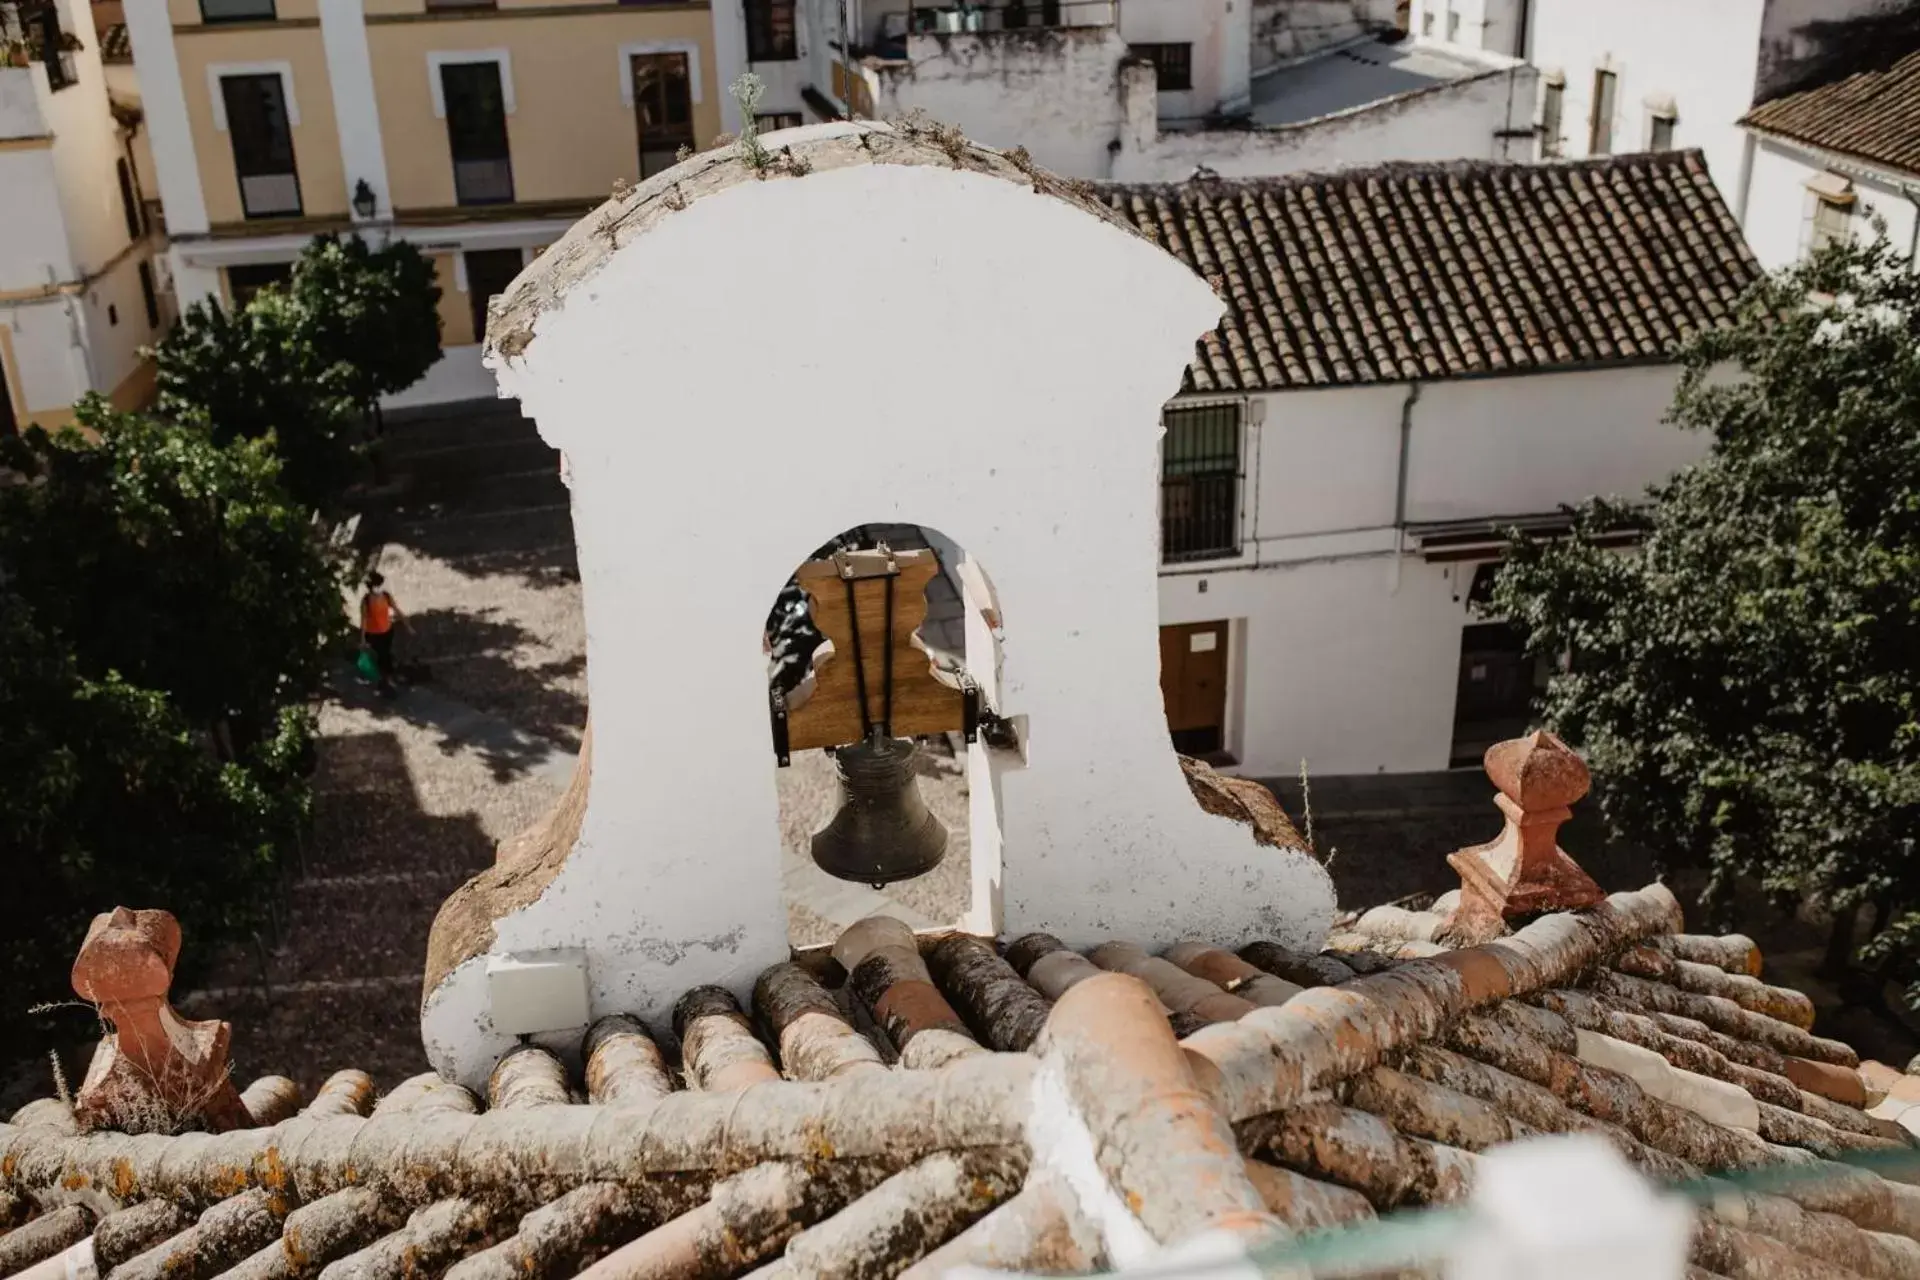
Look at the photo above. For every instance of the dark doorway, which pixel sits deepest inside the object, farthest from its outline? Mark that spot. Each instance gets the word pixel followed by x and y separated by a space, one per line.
pixel 246 281
pixel 489 272
pixel 1193 681
pixel 1497 689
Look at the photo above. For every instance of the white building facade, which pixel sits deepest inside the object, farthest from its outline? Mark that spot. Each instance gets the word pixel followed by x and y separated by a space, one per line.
pixel 1646 75
pixel 80 288
pixel 1838 158
pixel 1158 91
pixel 1396 384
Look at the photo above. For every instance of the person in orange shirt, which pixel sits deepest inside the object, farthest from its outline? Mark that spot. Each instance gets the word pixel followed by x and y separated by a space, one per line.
pixel 378 614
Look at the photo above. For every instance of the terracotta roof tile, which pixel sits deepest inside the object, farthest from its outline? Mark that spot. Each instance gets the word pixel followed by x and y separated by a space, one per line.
pixel 1425 271
pixel 1866 102
pixel 1313 1089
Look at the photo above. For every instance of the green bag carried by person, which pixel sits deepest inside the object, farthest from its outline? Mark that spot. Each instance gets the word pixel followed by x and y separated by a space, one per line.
pixel 367 665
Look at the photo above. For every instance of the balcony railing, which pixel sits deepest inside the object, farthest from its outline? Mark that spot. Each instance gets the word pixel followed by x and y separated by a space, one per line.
pixel 270 195
pixel 483 181
pixel 1000 15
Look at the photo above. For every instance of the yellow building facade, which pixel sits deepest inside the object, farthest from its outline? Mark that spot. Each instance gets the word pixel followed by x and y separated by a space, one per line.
pixel 477 131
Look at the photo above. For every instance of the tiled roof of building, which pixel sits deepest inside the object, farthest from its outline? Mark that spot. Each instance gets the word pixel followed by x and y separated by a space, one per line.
pixel 869 1115
pixel 1407 272
pixel 1869 108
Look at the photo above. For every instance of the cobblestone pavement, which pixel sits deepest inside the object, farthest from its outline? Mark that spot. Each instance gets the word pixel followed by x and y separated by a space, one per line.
pixel 412 794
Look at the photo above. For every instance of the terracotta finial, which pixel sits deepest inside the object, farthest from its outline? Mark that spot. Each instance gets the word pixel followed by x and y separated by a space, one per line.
pixel 154 1071
pixel 1523 872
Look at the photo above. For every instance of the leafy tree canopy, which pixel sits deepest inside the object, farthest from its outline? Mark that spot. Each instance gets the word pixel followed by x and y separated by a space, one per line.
pixel 1747 685
pixel 372 315
pixel 306 363
pixel 177 562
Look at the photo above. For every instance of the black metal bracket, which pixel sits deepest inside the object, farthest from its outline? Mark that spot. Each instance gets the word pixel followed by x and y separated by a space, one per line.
pixel 969 707
pixel 777 710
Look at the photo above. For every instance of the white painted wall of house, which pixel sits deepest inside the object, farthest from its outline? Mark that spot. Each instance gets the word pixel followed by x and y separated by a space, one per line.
pixel 1779 207
pixel 86 144
pixel 1053 92
pixel 1457 121
pixel 49 352
pixel 1220 35
pixel 1700 56
pixel 63 221
pixel 1284 30
pixel 1348 661
pixel 34 250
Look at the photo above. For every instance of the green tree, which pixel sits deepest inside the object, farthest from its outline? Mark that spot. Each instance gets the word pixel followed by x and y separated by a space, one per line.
pixel 177 562
pixel 306 364
pixel 257 375
pixel 1747 685
pixel 108 797
pixel 372 315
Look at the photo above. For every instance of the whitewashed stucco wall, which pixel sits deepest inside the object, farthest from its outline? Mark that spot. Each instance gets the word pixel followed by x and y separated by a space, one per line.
pixel 1511 446
pixel 1700 55
pixel 1287 29
pixel 1779 207
pixel 1343 667
pixel 1345 650
pixel 1457 121
pixel 1056 93
pixel 1220 34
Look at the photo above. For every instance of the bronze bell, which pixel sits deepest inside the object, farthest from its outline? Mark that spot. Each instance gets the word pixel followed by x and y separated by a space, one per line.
pixel 884 831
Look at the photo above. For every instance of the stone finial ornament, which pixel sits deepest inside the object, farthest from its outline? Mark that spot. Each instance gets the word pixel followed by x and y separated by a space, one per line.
pixel 1523 871
pixel 154 1072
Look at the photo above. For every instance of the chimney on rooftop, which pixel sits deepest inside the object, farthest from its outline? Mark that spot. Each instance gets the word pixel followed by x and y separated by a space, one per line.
pixel 1523 872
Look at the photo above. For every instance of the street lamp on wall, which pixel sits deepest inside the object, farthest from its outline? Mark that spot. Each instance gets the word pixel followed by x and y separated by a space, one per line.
pixel 365 203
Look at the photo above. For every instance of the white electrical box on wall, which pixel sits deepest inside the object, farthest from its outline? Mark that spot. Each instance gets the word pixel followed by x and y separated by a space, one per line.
pixel 535 993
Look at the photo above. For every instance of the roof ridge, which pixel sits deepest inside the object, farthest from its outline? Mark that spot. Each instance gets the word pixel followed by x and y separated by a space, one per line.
pixel 1404 170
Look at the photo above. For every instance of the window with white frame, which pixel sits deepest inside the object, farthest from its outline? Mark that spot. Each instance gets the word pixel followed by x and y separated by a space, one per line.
pixel 1830 220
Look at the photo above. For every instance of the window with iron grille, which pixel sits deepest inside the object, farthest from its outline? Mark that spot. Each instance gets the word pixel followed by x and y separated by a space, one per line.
pixel 1200 483
pixel 1553 96
pixel 770 31
pixel 40 30
pixel 1172 64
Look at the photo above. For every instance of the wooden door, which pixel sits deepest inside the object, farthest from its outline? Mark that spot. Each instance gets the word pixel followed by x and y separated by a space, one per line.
pixel 1193 681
